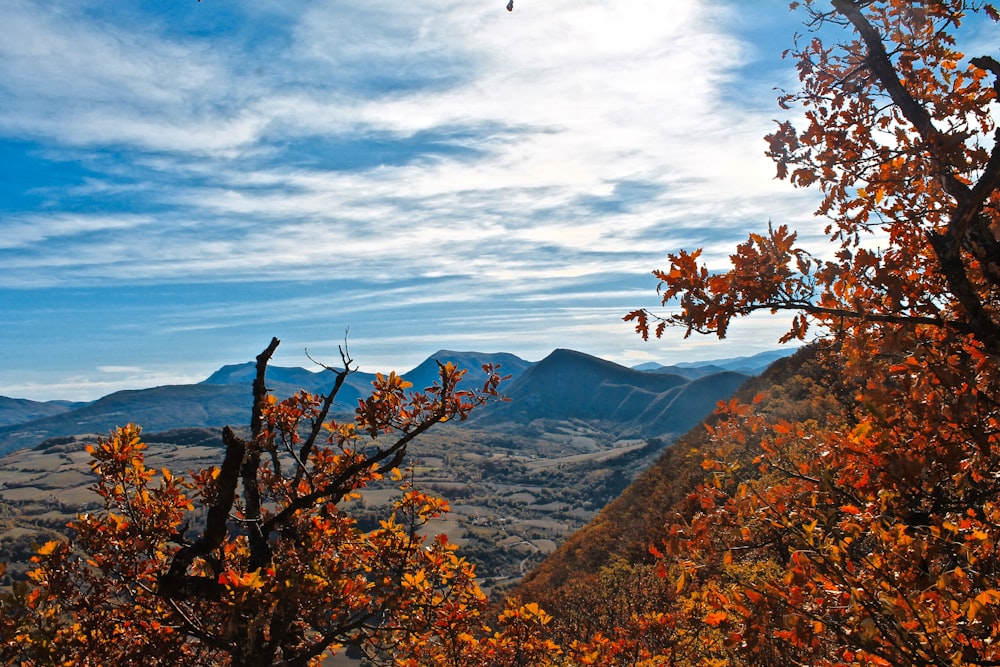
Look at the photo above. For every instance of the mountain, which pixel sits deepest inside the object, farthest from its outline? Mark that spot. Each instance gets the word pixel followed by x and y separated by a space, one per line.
pixel 751 365
pixel 224 398
pixel 245 373
pixel 624 530
pixel 159 408
pixel 566 385
pixel 426 373
pixel 20 410
pixel 570 385
pixel 285 381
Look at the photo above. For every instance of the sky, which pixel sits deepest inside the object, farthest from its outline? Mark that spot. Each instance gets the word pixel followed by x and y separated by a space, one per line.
pixel 180 181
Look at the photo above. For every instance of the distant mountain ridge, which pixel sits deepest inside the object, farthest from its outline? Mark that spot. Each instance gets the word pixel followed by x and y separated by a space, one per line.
pixel 565 385
pixel 19 410
pixel 286 380
pixel 749 365
pixel 572 385
pixel 224 398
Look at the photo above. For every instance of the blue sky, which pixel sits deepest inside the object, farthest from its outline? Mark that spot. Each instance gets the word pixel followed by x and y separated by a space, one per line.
pixel 181 180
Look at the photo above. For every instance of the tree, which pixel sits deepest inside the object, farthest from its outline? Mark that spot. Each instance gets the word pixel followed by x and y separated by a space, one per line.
pixel 281 573
pixel 901 139
pixel 872 538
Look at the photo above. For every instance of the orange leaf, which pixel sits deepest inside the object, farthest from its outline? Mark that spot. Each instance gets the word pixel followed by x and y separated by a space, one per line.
pixel 715 618
pixel 48 548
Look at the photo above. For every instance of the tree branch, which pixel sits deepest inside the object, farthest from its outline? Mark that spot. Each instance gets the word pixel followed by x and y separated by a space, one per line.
pixel 175 583
pixel 317 426
pixel 969 202
pixel 340 486
pixel 260 552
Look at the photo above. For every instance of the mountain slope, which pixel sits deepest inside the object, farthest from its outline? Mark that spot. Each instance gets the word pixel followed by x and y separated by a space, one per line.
pixel 20 410
pixel 159 408
pixel 626 527
pixel 571 385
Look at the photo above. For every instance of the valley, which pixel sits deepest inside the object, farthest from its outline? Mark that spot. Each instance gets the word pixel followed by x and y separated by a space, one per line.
pixel 520 476
pixel 513 497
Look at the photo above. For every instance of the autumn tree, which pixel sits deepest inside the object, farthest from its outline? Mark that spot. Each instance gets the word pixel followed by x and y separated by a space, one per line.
pixel 901 141
pixel 279 573
pixel 871 539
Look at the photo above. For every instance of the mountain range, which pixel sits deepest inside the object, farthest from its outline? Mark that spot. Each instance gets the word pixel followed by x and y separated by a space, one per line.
pixel 569 385
pixel 649 401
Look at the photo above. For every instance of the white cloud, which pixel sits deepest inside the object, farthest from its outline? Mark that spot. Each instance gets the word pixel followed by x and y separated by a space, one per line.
pixel 450 149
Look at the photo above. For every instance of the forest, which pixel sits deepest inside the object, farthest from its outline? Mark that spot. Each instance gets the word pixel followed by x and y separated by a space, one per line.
pixel 841 510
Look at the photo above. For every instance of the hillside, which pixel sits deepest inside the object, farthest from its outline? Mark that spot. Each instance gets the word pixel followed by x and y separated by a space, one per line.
pixel 158 408
pixel 622 532
pixel 19 410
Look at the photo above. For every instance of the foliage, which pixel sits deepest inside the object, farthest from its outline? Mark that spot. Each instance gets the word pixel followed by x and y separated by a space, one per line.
pixel 281 574
pixel 870 539
pixel 608 590
pixel 855 524
pixel 900 141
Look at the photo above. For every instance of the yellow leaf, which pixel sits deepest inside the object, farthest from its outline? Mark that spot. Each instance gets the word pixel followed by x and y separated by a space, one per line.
pixel 252 580
pixel 414 579
pixel 860 432
pixel 990 596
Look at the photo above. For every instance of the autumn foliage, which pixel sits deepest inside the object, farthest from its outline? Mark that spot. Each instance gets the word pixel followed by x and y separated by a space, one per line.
pixel 257 561
pixel 869 538
pixel 849 515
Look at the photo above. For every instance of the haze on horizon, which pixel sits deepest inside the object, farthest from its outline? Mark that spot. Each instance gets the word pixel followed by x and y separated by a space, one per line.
pixel 181 181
